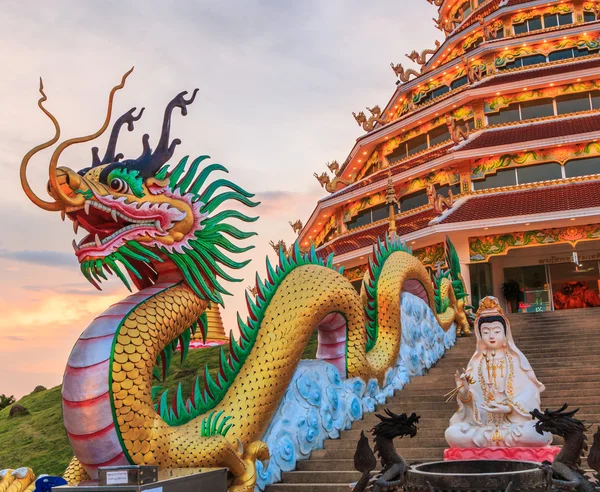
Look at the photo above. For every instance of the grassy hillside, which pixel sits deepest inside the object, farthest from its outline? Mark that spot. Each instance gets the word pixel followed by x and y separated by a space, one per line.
pixel 39 441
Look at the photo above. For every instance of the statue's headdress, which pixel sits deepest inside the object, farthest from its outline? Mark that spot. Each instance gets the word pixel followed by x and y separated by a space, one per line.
pixel 489 306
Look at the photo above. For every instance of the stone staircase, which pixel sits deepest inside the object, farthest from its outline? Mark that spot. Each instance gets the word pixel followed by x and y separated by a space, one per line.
pixel 564 350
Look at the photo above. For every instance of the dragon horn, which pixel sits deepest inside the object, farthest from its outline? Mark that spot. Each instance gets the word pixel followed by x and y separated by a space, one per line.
pixel 50 206
pixel 67 143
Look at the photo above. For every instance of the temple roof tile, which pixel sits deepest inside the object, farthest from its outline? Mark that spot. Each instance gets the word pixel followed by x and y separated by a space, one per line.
pixel 539 200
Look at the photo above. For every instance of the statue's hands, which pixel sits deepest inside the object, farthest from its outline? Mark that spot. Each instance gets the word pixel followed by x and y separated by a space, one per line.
pixel 494 407
pixel 462 382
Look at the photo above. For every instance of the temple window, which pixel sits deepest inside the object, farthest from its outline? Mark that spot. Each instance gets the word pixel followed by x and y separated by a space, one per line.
pixel 540 172
pixel 417 144
pixel 524 62
pixel 570 53
pixel 539 108
pixel 582 167
pixel 414 200
pixel 369 216
pixel 573 103
pixel 542 108
pixel 446 189
pixel 465 9
pixel 459 82
pixel 589 17
pixel 554 20
pixel 533 24
pixel 373 169
pixel 504 177
pixel 595 95
pixel 474 45
pixel 440 91
pixel 360 219
pixel 505 115
pixel 442 134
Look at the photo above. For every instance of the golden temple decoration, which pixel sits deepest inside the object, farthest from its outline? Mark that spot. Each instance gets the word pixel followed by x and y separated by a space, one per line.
pixel 297 226
pixel 403 74
pixel 439 202
pixel 368 124
pixel 421 59
pixel 392 200
pixel 334 167
pixel 458 132
pixel 330 185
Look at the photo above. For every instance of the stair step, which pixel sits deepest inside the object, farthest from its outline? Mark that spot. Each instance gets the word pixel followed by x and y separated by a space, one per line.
pixel 321 477
pixel 312 487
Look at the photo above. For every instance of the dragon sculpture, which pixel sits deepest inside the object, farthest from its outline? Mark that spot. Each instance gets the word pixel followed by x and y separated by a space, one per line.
pixel 566 467
pixel 368 124
pixel 157 225
pixel 393 466
pixel 334 167
pixel 458 131
pixel 331 186
pixel 421 59
pixel 296 226
pixel 439 202
pixel 403 74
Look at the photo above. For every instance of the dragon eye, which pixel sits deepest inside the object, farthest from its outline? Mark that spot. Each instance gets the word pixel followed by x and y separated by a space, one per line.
pixel 120 185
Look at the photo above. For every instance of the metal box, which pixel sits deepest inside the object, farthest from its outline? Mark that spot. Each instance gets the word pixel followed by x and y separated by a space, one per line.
pixel 127 475
pixel 207 480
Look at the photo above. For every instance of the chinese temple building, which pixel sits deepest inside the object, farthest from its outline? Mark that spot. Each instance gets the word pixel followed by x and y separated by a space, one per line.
pixel 493 142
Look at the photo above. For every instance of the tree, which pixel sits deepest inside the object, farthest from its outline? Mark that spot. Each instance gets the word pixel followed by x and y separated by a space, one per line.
pixel 5 401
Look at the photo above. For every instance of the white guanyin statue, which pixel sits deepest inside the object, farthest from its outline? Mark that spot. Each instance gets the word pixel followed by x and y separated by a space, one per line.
pixel 497 390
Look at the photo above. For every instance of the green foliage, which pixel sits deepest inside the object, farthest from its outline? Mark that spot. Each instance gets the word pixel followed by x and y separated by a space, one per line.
pixel 5 401
pixel 381 252
pixel 37 440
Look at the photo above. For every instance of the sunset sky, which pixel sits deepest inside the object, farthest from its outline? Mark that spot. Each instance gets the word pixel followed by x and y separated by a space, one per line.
pixel 278 83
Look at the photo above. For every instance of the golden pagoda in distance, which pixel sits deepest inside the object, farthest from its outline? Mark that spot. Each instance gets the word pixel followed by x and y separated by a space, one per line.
pixel 490 139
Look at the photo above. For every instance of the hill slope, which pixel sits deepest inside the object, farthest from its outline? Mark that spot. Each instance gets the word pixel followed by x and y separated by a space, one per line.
pixel 38 440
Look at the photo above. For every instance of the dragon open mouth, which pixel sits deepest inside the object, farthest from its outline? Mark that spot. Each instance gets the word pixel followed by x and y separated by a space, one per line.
pixel 111 226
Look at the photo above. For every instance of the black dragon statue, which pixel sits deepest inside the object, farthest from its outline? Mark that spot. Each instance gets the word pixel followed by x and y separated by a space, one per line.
pixel 566 467
pixel 393 466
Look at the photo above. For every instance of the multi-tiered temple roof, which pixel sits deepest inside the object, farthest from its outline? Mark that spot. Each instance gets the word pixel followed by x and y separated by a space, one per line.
pixel 505 110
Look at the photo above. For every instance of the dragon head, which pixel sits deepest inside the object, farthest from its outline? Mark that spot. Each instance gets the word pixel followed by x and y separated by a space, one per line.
pixel 140 214
pixel 394 425
pixel 558 422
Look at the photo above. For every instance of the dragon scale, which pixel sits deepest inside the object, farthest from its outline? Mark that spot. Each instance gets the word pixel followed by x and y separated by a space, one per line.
pixel 162 226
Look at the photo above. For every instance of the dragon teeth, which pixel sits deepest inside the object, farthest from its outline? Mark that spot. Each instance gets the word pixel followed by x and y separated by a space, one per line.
pixel 97 240
pixel 86 207
pixel 113 214
pixel 63 215
pixel 158 226
pixel 75 247
pixel 75 226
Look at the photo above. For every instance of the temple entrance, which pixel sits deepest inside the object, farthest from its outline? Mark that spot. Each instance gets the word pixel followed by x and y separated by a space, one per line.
pixel 543 278
pixel 533 295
